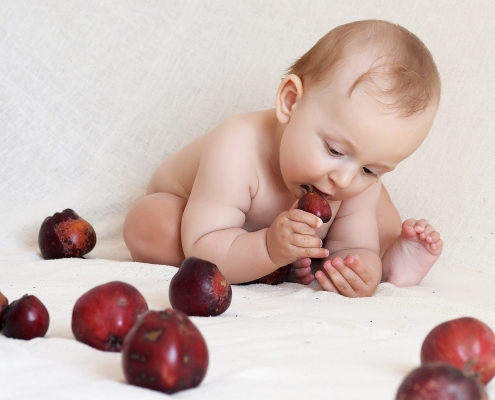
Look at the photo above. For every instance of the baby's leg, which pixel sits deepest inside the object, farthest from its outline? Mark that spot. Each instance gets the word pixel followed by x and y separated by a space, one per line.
pixel 408 250
pixel 152 229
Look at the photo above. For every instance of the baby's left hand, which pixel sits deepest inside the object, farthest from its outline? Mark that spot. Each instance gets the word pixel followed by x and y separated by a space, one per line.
pixel 301 272
pixel 349 277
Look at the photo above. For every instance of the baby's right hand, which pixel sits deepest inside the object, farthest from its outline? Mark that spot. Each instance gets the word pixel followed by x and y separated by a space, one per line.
pixel 292 236
pixel 301 272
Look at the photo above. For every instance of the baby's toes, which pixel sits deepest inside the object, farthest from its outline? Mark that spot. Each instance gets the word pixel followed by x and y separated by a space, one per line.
pixel 436 247
pixel 421 225
pixel 429 229
pixel 433 237
pixel 409 230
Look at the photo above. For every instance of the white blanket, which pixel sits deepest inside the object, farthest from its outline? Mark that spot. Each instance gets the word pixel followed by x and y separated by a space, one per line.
pixel 95 94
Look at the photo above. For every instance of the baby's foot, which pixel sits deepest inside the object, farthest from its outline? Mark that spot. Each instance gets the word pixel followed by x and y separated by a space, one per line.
pixel 412 254
pixel 301 272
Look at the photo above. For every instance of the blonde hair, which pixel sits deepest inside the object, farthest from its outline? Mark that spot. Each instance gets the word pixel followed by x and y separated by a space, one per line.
pixel 404 71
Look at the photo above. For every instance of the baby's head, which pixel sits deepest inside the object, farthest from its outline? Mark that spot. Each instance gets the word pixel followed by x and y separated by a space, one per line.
pixel 353 107
pixel 400 74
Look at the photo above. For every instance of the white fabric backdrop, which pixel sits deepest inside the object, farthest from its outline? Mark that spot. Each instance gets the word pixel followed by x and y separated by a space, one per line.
pixel 95 94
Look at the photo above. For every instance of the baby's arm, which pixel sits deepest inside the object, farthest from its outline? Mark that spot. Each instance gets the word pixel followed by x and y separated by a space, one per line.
pixel 354 266
pixel 215 214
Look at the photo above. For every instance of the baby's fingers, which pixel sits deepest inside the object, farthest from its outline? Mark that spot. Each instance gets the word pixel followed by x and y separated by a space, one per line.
pixel 297 215
pixel 302 263
pixel 301 271
pixel 308 246
pixel 351 277
pixel 343 278
pixel 305 240
pixel 325 282
pixel 360 268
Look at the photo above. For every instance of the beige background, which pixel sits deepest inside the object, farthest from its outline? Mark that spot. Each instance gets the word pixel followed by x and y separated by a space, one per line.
pixel 95 94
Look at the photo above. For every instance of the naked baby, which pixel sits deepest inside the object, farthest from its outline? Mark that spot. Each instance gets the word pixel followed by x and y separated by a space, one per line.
pixel 351 109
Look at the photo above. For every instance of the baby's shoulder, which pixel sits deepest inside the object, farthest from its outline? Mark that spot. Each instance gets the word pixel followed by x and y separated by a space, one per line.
pixel 246 126
pixel 366 201
pixel 241 134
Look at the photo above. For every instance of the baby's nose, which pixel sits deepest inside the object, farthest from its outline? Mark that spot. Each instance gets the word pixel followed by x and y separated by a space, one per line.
pixel 342 178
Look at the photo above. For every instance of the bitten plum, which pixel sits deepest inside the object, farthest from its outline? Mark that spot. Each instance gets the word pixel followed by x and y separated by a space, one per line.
pixel 315 204
pixel 65 235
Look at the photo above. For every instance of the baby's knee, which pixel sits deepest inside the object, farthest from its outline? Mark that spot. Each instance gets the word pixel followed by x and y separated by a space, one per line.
pixel 134 231
pixel 152 230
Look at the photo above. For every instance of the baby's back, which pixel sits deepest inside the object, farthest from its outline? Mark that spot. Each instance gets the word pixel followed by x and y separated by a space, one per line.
pixel 177 173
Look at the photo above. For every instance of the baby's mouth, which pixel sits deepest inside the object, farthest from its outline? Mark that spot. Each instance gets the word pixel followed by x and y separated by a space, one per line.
pixel 319 192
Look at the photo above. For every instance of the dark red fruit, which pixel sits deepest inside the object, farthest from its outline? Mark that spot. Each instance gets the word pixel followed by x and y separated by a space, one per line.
pixel 315 204
pixel 103 316
pixel 199 288
pixel 164 351
pixel 3 304
pixel 438 381
pixel 65 235
pixel 277 277
pixel 25 318
pixel 465 343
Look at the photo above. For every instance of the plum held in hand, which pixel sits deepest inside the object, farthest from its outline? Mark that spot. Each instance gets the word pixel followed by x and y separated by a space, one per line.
pixel 465 343
pixel 277 277
pixel 439 381
pixel 164 351
pixel 199 288
pixel 103 316
pixel 65 235
pixel 315 204
pixel 3 305
pixel 26 318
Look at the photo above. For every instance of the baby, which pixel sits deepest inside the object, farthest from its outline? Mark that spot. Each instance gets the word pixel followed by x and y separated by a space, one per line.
pixel 350 110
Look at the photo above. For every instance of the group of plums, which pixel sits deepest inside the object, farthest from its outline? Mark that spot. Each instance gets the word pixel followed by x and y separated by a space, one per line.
pixel 457 361
pixel 164 350
pixel 161 350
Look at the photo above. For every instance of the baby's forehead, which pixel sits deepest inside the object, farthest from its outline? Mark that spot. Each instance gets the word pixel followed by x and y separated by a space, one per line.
pixel 394 87
pixel 356 64
pixel 348 73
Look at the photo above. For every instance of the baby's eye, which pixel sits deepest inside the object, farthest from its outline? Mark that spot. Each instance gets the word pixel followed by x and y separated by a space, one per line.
pixel 334 152
pixel 368 171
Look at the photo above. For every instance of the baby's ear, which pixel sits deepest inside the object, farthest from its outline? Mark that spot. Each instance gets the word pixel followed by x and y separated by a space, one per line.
pixel 289 93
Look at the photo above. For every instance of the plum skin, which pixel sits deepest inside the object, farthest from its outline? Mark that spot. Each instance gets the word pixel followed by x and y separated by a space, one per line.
pixel 4 302
pixel 164 351
pixel 103 316
pixel 315 204
pixel 465 343
pixel 198 288
pixel 280 275
pixel 65 235
pixel 440 381
pixel 26 318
